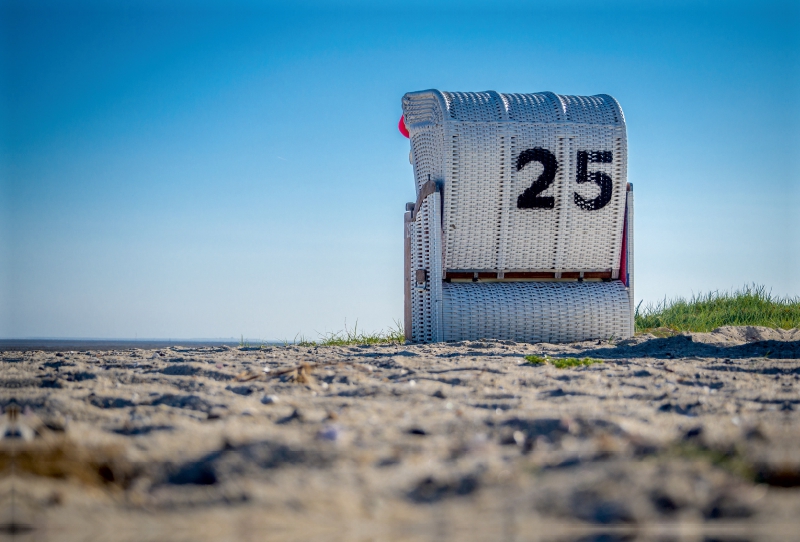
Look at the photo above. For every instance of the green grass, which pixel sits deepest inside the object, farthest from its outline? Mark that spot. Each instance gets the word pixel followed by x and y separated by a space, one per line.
pixel 729 460
pixel 354 336
pixel 749 306
pixel 562 363
pixel 244 344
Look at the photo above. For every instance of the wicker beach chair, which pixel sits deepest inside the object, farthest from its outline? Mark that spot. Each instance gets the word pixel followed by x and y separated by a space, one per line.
pixel 523 224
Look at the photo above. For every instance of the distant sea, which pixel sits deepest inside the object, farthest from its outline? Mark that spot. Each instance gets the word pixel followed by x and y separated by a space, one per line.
pixel 119 344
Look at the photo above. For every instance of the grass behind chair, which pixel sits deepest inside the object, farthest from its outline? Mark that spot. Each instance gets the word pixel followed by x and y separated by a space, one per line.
pixel 748 306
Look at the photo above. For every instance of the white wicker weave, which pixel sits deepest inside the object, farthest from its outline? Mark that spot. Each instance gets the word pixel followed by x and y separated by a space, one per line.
pixel 529 183
pixel 426 296
pixel 536 311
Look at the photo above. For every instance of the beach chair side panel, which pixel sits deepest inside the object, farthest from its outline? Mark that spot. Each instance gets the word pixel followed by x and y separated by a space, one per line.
pixel 425 272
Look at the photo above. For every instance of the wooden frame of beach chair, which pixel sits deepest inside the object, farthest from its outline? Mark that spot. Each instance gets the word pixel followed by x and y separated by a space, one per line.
pixel 523 225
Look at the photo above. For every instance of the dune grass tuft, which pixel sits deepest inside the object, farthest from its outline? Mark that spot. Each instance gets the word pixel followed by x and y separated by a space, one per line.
pixel 562 363
pixel 749 306
pixel 354 336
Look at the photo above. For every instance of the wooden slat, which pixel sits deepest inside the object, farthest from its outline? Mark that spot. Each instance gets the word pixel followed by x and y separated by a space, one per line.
pixel 407 276
pixel 517 275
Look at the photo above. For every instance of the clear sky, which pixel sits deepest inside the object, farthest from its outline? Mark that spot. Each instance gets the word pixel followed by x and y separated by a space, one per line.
pixel 201 170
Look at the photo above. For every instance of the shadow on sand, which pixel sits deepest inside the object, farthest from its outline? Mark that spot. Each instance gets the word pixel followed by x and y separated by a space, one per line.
pixel 682 346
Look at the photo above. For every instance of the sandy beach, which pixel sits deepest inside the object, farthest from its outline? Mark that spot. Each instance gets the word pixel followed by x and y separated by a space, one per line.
pixel 693 437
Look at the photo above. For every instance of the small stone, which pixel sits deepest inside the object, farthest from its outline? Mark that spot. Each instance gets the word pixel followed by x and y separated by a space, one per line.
pixel 215 413
pixel 329 432
pixel 270 399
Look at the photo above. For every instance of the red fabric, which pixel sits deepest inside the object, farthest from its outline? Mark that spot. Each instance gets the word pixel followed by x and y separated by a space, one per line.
pixel 623 260
pixel 402 126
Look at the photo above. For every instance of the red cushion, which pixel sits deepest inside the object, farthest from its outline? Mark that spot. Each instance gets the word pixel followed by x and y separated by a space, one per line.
pixel 402 126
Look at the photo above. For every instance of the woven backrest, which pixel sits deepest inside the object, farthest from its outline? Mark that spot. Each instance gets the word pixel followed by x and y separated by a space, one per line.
pixel 531 182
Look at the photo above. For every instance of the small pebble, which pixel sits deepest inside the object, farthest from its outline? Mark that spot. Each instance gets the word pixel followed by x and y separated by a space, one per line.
pixel 269 399
pixel 329 432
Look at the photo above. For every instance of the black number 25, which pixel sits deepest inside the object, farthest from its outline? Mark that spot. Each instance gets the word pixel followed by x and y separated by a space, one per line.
pixel 530 198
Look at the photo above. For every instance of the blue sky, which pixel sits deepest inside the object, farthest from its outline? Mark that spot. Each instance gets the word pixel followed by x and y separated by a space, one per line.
pixel 221 169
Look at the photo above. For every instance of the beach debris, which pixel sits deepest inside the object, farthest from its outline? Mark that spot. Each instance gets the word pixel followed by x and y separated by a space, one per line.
pixel 303 375
pixel 246 376
pixel 14 426
pixel 29 446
